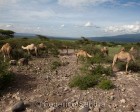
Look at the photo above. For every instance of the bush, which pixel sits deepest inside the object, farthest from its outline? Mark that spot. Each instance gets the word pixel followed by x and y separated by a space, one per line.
pixel 55 65
pixel 18 53
pixel 93 77
pixel 135 67
pixel 99 58
pixel 96 59
pixel 6 79
pixel 6 76
pixel 105 84
pixel 54 51
pixel 83 82
pixel 99 70
pixel 91 49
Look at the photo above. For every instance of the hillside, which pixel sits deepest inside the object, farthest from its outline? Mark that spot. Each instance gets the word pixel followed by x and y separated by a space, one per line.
pixel 48 91
pixel 119 38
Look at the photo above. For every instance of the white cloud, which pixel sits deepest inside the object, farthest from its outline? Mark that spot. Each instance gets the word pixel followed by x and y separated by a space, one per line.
pixel 9 25
pixel 76 3
pixel 88 24
pixel 38 28
pixel 33 15
pixel 2 2
pixel 62 25
pixel 132 28
pixel 129 4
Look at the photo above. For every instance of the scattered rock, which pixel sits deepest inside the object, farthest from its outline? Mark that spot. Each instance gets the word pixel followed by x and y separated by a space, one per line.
pixel 130 108
pixel 18 107
pixel 66 89
pixel 29 110
pixel 84 109
pixel 115 105
pixel 16 96
pixel 123 101
pixel 23 61
pixel 65 63
pixel 112 97
pixel 52 109
pixel 12 62
pixel 103 74
pixel 123 89
pixel 96 109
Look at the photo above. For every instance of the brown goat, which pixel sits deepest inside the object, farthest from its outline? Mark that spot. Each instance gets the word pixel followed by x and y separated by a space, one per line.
pixel 82 53
pixel 6 50
pixel 42 46
pixel 123 56
pixel 104 50
pixel 30 48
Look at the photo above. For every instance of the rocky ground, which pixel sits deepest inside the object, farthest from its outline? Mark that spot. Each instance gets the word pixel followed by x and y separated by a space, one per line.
pixel 43 90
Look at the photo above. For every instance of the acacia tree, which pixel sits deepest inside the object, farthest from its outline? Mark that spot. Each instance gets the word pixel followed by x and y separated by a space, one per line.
pixel 6 33
pixel 42 37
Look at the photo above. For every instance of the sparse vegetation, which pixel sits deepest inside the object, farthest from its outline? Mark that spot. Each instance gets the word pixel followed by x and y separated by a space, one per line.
pixel 55 65
pixel 18 53
pixel 97 76
pixel 83 82
pixel 54 52
pixel 99 70
pixel 6 76
pixel 105 84
pixel 134 67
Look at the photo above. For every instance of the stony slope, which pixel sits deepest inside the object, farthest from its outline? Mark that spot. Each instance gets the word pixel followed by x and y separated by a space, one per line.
pixel 43 89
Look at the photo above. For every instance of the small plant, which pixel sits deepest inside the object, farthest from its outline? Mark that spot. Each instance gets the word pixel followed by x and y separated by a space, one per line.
pixel 99 58
pixel 96 59
pixel 6 79
pixel 99 70
pixel 6 76
pixel 55 65
pixel 83 82
pixel 17 54
pixel 135 67
pixel 54 52
pixel 105 84
pixel 92 77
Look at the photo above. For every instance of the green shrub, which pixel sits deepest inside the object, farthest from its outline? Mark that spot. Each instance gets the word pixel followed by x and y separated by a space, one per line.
pixel 99 58
pixel 99 70
pixel 107 59
pixel 91 78
pixel 55 65
pixel 19 53
pixel 96 59
pixel 91 49
pixel 6 76
pixel 135 67
pixel 105 84
pixel 83 82
pixel 54 51
pixel 6 79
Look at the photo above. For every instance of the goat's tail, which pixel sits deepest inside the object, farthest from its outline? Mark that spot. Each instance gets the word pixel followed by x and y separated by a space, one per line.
pixel 89 55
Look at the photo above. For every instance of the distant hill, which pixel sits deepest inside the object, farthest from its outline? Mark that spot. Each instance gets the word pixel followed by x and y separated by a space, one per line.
pixel 28 35
pixel 118 38
pixel 24 35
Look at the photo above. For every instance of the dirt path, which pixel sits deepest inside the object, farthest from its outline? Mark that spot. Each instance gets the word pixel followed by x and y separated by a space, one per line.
pixel 43 89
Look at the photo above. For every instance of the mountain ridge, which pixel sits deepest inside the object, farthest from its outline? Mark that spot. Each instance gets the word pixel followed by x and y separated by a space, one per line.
pixel 117 38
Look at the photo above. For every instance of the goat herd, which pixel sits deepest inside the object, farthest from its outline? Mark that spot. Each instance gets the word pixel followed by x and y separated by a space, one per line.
pixel 122 55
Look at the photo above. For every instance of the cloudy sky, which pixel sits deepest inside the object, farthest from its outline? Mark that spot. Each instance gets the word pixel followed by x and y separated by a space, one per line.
pixel 71 18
